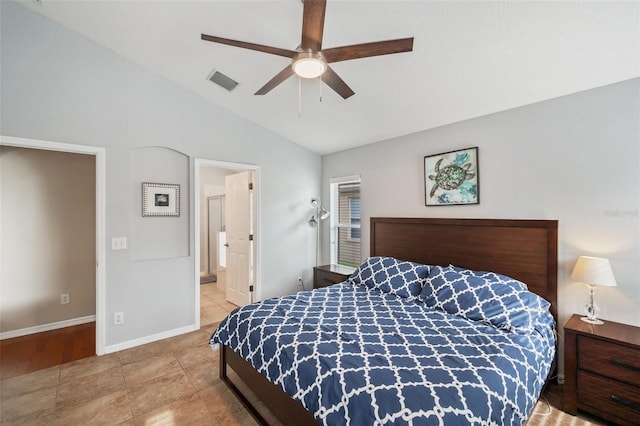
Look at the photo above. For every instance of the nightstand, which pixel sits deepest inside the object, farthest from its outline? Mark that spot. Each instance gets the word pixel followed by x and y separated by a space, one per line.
pixel 327 275
pixel 602 370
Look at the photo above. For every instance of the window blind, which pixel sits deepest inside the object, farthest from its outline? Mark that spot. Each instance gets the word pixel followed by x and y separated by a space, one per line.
pixel 345 222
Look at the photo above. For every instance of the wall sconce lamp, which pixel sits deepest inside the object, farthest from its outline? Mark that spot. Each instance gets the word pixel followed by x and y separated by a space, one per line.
pixel 593 271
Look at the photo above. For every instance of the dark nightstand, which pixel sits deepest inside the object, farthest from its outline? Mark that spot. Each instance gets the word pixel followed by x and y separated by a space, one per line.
pixel 327 275
pixel 602 370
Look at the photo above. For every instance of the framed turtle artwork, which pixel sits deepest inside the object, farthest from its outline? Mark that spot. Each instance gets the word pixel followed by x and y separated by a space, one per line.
pixel 451 178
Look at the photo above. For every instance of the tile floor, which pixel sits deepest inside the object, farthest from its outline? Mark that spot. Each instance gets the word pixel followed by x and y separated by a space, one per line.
pixel 213 304
pixel 170 382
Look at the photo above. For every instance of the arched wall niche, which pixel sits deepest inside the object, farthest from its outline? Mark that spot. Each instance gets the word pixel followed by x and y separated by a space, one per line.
pixel 159 237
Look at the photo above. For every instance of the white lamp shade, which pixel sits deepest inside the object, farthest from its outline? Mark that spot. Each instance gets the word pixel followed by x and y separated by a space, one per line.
pixel 593 271
pixel 323 213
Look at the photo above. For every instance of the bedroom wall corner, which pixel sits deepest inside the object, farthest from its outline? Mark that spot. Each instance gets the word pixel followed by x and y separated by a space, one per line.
pixel 575 159
pixel 48 238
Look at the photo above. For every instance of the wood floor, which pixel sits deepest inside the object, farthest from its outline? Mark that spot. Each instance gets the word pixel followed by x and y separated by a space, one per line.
pixel 26 354
pixel 34 352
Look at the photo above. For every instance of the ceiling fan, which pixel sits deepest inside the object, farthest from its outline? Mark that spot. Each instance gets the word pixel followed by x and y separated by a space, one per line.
pixel 309 60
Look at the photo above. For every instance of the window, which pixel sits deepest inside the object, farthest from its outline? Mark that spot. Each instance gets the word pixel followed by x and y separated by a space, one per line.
pixel 345 221
pixel 354 216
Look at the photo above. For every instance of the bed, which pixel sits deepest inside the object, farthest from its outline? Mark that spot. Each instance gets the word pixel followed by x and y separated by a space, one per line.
pixel 409 348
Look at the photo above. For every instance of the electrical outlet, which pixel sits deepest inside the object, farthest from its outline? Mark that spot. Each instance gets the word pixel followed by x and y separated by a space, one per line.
pixel 118 318
pixel 64 299
pixel 300 282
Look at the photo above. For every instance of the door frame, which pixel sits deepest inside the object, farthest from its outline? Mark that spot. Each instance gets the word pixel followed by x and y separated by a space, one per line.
pixel 198 163
pixel 99 154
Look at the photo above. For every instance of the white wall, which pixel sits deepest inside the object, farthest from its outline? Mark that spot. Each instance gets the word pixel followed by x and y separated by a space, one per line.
pixel 58 86
pixel 48 237
pixel 575 159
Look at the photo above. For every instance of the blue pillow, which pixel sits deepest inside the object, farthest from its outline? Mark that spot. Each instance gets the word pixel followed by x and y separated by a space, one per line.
pixel 391 275
pixel 484 297
pixel 492 276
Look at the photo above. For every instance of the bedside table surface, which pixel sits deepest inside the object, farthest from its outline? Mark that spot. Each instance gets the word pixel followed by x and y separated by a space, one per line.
pixel 609 330
pixel 338 269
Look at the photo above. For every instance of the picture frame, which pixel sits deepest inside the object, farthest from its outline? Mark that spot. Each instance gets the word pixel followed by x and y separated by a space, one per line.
pixel 452 178
pixel 160 199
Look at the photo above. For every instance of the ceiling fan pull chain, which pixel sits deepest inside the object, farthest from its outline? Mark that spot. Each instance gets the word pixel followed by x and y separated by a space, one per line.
pixel 299 97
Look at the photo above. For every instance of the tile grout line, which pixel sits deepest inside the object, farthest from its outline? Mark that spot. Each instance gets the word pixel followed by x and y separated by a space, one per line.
pixel 126 387
pixel 55 400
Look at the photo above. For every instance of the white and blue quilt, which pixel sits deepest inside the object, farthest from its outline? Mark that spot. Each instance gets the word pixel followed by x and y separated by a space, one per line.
pixel 404 344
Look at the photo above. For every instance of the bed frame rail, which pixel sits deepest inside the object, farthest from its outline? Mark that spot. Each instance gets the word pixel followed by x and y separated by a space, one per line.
pixel 279 402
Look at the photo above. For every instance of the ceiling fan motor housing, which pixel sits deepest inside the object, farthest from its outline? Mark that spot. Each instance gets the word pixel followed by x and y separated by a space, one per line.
pixel 309 64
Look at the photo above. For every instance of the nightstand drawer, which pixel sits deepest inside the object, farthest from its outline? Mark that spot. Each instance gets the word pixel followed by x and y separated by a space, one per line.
pixel 325 279
pixel 609 359
pixel 609 396
pixel 601 374
pixel 326 275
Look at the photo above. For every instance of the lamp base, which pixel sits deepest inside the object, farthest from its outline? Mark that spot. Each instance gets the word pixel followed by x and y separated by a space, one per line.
pixel 594 321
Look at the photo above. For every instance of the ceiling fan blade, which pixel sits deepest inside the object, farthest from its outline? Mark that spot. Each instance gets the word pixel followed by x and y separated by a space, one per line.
pixel 251 46
pixel 365 50
pixel 313 24
pixel 279 78
pixel 334 81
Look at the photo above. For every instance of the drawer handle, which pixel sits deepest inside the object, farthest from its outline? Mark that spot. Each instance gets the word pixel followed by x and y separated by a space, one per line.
pixel 623 365
pixel 630 404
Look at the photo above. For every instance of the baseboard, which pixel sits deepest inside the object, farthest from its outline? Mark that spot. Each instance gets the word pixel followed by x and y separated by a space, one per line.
pixel 46 327
pixel 148 339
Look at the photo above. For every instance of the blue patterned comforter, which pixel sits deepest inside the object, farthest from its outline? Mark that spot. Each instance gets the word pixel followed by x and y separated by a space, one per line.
pixel 356 355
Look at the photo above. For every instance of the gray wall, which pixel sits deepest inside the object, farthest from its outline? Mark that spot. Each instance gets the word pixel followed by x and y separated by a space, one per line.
pixel 58 86
pixel 575 159
pixel 47 218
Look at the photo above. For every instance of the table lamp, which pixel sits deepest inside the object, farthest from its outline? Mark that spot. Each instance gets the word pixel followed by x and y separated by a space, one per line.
pixel 593 271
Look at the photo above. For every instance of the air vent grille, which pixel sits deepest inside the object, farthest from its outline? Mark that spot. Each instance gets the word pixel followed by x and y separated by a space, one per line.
pixel 222 80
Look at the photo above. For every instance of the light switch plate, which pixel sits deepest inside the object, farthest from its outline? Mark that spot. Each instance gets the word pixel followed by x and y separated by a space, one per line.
pixel 119 243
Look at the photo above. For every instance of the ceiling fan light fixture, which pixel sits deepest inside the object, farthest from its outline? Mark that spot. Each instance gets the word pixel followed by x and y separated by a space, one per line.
pixel 309 64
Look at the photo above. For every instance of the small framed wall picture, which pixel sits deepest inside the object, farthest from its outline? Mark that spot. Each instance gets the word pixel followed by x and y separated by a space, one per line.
pixel 451 178
pixel 160 199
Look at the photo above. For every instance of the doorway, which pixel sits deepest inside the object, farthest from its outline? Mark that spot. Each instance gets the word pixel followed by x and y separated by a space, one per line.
pixel 211 203
pixel 99 154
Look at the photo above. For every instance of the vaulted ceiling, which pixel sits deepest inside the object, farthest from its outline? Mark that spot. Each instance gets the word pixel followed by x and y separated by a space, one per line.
pixel 470 58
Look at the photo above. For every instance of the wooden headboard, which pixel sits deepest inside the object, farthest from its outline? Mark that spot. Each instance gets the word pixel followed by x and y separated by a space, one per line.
pixel 526 250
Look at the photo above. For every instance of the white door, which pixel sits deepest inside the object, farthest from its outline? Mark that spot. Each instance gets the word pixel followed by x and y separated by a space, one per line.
pixel 239 208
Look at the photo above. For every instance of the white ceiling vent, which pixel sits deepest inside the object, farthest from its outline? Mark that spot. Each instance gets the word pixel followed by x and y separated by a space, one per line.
pixel 222 80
